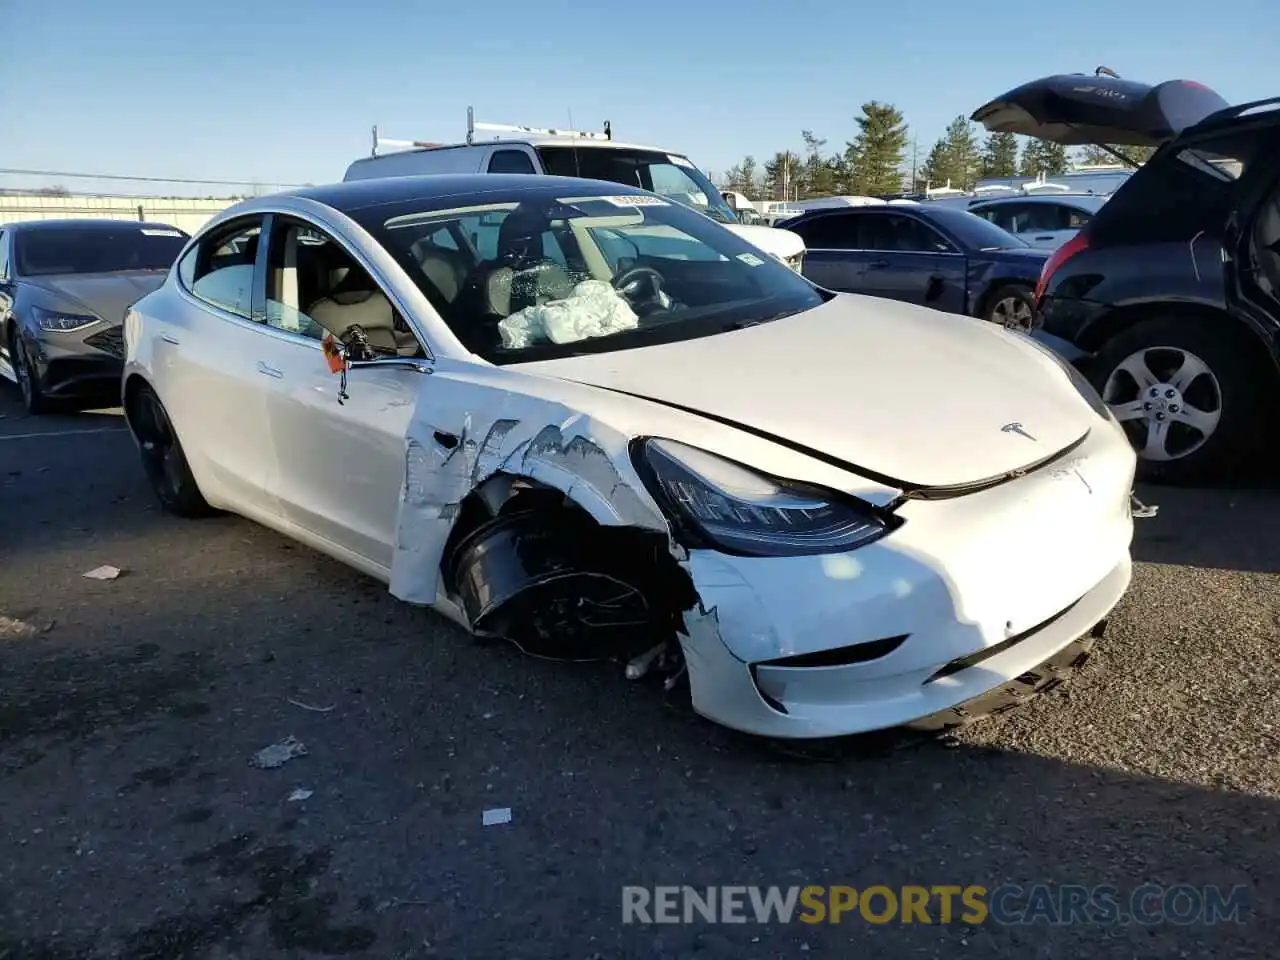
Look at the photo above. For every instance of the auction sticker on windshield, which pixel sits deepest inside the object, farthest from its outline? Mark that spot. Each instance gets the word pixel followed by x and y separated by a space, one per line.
pixel 638 200
pixel 750 259
pixel 679 161
pixel 161 233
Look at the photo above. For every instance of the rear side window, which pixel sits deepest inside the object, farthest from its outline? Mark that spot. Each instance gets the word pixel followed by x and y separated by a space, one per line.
pixel 510 161
pixel 1182 190
pixel 831 232
pixel 220 269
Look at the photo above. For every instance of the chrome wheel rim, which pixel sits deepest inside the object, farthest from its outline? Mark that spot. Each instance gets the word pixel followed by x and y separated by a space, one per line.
pixel 1013 313
pixel 21 371
pixel 1167 399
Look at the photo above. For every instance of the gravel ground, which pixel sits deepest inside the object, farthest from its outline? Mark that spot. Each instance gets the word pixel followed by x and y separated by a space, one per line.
pixel 133 825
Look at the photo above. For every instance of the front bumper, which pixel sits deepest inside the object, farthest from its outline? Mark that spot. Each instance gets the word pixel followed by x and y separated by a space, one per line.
pixel 968 595
pixel 89 366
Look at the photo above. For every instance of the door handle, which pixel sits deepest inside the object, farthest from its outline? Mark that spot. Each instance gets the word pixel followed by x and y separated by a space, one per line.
pixel 269 370
pixel 169 338
pixel 878 265
pixel 1046 236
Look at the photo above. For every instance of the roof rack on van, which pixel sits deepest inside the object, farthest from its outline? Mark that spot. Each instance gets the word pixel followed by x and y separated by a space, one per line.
pixel 404 144
pixel 473 125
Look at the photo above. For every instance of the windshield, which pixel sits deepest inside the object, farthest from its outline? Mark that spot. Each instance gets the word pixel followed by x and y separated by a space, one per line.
pixel 537 276
pixel 60 250
pixel 973 231
pixel 667 174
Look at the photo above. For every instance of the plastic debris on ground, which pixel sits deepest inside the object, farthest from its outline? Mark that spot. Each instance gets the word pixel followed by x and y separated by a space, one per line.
pixel 11 629
pixel 278 754
pixel 593 309
pixel 496 816
pixel 300 794
pixel 104 572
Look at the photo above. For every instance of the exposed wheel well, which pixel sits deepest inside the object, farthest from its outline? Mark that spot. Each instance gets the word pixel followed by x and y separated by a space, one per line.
pixel 1115 321
pixel 641 557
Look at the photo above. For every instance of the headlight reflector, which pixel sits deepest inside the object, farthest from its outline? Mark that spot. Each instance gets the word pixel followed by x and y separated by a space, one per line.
pixel 59 322
pixel 737 510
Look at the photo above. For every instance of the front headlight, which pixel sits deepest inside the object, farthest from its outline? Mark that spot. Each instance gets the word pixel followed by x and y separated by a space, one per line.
pixel 61 322
pixel 737 510
pixel 1078 379
pixel 795 261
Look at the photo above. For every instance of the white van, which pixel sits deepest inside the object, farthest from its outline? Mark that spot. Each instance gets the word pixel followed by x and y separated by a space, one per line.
pixel 570 153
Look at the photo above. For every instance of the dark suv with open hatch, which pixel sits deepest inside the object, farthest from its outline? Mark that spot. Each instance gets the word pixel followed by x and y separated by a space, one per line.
pixel 1169 299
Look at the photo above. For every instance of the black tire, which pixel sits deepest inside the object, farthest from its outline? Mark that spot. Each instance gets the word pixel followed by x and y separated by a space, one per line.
pixel 1237 377
pixel 33 398
pixel 1022 315
pixel 163 459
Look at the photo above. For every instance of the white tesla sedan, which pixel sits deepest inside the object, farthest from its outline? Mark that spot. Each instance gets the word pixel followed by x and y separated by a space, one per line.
pixel 593 422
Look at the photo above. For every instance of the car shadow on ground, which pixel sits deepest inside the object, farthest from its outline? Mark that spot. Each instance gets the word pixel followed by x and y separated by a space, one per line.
pixel 133 824
pixel 1226 529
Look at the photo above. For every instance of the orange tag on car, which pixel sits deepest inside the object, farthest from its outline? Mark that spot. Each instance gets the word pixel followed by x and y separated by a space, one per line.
pixel 332 353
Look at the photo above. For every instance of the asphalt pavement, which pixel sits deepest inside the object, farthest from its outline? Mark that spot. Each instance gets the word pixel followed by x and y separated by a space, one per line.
pixel 133 825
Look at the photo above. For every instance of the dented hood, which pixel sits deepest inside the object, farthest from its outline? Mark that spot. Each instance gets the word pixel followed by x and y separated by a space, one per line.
pixel 897 392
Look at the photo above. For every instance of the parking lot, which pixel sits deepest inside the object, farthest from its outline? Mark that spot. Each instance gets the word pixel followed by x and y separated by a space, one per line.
pixel 132 823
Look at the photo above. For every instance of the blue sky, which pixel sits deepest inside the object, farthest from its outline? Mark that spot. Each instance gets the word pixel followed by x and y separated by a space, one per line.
pixel 285 91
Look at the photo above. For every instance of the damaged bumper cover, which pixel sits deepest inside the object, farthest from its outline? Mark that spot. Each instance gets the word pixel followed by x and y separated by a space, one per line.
pixel 966 597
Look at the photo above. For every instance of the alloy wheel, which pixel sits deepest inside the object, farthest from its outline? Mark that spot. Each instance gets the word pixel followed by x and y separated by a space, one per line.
pixel 159 447
pixel 1013 313
pixel 1167 399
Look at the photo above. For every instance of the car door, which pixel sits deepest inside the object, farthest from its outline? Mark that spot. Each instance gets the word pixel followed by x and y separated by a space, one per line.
pixel 340 454
pixel 909 260
pixel 208 363
pixel 832 256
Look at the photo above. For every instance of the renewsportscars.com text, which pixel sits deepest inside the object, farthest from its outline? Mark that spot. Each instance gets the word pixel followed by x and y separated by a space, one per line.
pixel 974 904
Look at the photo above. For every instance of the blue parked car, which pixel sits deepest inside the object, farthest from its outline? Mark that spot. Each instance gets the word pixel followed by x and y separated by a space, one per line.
pixel 924 253
pixel 1042 220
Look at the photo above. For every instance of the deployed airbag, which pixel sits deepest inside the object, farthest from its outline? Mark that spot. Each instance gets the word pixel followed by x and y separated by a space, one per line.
pixel 593 309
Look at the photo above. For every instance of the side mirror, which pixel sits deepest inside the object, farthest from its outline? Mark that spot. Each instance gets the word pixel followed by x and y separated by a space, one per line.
pixel 339 360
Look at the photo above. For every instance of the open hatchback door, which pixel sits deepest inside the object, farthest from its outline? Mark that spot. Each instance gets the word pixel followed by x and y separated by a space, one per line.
pixel 1075 109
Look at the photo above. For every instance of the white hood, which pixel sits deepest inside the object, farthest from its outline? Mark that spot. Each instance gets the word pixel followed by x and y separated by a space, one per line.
pixel 897 392
pixel 780 243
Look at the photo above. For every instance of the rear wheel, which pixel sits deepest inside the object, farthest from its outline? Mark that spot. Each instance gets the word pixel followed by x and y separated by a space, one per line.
pixel 1188 396
pixel 1013 307
pixel 162 457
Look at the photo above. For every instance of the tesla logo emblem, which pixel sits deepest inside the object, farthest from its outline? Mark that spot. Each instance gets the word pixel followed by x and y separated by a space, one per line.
pixel 1016 427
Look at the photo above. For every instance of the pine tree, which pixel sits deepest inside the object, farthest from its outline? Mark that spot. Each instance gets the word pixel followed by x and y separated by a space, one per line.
pixel 818 178
pixel 935 171
pixel 875 156
pixel 1000 155
pixel 954 159
pixel 780 175
pixel 1043 157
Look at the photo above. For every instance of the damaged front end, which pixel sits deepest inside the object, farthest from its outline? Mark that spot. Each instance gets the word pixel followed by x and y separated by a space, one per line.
pixel 557 584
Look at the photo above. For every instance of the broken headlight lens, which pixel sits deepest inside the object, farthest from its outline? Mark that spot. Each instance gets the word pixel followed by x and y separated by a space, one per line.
pixel 737 510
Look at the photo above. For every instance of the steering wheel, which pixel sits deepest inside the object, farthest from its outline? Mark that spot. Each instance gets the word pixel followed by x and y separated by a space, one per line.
pixel 642 294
